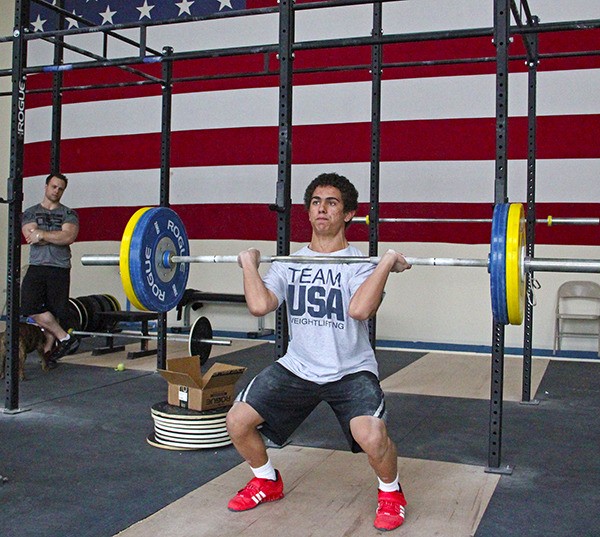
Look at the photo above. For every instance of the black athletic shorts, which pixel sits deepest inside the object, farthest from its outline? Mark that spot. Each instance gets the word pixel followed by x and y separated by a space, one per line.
pixel 46 289
pixel 284 400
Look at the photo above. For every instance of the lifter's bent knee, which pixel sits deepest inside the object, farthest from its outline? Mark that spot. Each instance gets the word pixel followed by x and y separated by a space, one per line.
pixel 242 420
pixel 371 435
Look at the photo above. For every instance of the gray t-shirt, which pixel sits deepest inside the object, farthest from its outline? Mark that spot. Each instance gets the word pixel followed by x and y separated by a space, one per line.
pixel 52 255
pixel 325 343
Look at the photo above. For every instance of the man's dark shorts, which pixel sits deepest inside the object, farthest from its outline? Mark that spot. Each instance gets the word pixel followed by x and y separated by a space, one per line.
pixel 284 400
pixel 46 289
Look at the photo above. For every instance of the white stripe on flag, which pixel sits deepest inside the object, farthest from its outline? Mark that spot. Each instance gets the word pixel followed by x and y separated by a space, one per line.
pixel 409 99
pixel 573 181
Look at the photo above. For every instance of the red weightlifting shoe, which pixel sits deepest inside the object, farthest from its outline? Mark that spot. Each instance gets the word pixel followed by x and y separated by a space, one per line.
pixel 390 510
pixel 257 491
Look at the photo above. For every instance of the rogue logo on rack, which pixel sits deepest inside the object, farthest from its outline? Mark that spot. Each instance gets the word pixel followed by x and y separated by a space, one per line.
pixel 21 111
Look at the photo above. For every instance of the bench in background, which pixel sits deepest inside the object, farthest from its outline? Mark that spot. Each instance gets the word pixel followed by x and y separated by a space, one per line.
pixel 193 300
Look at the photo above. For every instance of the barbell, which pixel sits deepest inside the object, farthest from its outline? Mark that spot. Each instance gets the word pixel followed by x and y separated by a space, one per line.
pixel 154 261
pixel 200 339
pixel 549 220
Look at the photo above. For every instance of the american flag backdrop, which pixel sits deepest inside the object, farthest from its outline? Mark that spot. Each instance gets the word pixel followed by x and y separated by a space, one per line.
pixel 437 132
pixel 101 12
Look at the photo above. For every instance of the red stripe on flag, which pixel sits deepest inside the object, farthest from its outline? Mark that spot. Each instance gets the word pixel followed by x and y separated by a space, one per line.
pixel 559 137
pixel 255 222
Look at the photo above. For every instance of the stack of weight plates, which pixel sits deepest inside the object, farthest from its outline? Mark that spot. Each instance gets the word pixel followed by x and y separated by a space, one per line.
pixel 182 429
pixel 83 311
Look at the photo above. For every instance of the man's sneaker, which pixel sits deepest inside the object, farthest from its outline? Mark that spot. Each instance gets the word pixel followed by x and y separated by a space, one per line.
pixel 257 491
pixel 73 348
pixel 62 349
pixel 390 510
pixel 51 364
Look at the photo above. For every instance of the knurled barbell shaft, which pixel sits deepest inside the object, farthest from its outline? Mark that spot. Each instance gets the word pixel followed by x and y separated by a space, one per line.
pixel 106 260
pixel 150 336
pixel 529 264
pixel 325 260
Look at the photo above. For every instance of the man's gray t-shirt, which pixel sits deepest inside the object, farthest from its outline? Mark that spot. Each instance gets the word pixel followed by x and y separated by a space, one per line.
pixel 52 255
pixel 325 343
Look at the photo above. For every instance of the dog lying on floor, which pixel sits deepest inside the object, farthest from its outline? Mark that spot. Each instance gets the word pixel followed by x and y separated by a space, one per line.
pixel 31 338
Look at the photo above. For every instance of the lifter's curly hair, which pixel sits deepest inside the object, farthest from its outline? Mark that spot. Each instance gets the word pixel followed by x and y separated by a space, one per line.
pixel 346 188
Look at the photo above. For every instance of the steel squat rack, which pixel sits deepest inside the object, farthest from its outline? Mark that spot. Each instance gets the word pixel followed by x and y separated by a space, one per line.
pixel 526 26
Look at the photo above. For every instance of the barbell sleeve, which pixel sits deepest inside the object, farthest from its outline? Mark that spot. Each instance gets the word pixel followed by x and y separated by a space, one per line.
pixel 540 264
pixel 92 260
pixel 557 221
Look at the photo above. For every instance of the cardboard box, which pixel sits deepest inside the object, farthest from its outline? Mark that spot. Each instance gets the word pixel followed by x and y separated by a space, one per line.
pixel 189 388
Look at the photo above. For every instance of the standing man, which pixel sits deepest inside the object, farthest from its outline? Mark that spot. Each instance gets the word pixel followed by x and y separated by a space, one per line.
pixel 329 357
pixel 50 228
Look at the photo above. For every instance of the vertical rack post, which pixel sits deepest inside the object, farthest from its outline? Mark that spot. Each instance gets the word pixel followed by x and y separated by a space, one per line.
pixel 532 62
pixel 376 61
pixel 501 41
pixel 15 197
pixel 57 79
pixel 165 182
pixel 283 203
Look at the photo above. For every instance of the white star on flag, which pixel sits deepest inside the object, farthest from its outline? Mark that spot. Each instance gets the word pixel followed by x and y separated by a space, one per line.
pixel 107 15
pixel 72 22
pixel 145 10
pixel 38 24
pixel 184 7
pixel 224 3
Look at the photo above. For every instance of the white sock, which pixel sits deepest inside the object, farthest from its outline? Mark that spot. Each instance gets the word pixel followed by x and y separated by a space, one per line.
pixel 389 487
pixel 265 472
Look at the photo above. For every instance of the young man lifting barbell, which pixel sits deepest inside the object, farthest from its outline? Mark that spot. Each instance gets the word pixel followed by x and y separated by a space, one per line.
pixel 329 357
